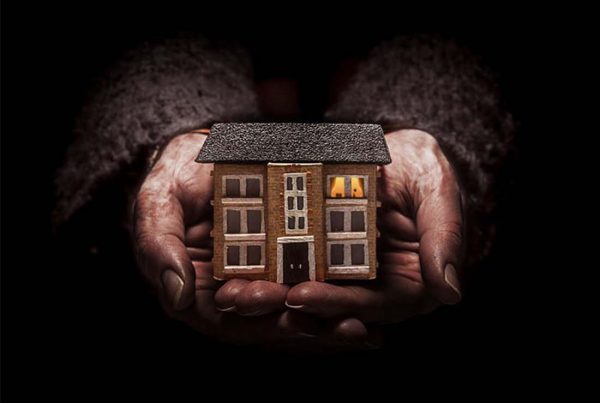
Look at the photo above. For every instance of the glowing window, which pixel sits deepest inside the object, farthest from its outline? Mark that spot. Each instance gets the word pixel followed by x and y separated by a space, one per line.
pixel 357 186
pixel 336 184
pixel 349 186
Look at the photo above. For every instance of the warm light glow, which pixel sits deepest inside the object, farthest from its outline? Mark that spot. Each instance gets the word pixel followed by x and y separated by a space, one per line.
pixel 336 184
pixel 358 186
pixel 338 187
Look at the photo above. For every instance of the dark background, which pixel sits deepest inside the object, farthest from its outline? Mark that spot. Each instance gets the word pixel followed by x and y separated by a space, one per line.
pixel 76 312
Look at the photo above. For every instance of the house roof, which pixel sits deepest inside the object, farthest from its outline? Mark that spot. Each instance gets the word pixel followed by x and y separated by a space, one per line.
pixel 295 142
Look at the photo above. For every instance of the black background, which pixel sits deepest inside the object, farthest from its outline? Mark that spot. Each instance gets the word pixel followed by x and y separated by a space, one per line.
pixel 77 314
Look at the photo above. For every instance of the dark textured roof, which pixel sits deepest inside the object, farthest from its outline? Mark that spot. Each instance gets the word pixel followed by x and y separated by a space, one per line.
pixel 295 142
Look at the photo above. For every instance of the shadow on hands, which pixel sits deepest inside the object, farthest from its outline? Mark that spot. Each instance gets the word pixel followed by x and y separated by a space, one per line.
pixel 420 247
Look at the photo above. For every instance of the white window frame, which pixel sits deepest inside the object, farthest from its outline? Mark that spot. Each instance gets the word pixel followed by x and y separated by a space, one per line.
pixel 244 255
pixel 347 266
pixel 347 186
pixel 295 193
pixel 242 179
pixel 244 223
pixel 347 232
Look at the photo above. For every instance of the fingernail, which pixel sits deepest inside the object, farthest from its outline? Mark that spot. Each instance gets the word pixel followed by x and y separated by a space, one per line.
pixel 173 285
pixel 294 306
pixel 452 280
pixel 228 309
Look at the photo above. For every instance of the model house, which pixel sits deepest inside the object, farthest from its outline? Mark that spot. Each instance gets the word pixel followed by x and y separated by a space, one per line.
pixel 295 202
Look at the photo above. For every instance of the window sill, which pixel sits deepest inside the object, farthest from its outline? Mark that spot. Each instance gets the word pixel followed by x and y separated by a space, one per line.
pixel 245 237
pixel 294 238
pixel 257 268
pixel 347 201
pixel 346 235
pixel 242 200
pixel 348 269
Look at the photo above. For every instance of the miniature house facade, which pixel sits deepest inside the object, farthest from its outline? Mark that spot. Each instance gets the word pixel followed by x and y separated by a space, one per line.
pixel 295 202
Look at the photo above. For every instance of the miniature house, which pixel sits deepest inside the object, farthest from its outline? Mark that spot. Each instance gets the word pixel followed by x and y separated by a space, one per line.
pixel 295 202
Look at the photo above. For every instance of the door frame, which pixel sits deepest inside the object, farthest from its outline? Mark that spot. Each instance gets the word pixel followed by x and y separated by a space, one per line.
pixel 310 239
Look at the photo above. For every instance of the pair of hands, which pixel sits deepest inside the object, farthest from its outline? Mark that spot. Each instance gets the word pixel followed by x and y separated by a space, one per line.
pixel 419 252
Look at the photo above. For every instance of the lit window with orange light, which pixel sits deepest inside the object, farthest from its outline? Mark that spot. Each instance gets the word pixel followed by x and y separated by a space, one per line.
pixel 347 187
pixel 337 186
pixel 357 187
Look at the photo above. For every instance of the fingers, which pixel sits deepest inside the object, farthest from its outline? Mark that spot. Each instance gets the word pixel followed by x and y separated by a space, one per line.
pixel 162 255
pixel 329 300
pixel 225 296
pixel 288 330
pixel 440 226
pixel 234 328
pixel 253 298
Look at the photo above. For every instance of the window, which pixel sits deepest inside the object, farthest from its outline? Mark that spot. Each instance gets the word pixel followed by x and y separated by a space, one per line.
pixel 253 187
pixel 337 221
pixel 347 243
pixel 235 186
pixel 357 221
pixel 243 220
pixel 337 254
pixel 357 254
pixel 347 186
pixel 350 253
pixel 233 221
pixel 295 203
pixel 346 219
pixel 253 255
pixel 233 255
pixel 232 187
pixel 254 221
pixel 244 255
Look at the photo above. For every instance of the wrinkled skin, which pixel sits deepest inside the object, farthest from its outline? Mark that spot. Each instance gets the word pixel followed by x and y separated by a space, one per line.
pixel 419 252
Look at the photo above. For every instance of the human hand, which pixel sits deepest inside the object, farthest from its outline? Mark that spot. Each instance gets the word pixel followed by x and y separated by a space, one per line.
pixel 420 246
pixel 173 220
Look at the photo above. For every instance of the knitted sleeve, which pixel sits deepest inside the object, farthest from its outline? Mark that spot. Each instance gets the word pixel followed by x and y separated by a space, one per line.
pixel 434 85
pixel 156 91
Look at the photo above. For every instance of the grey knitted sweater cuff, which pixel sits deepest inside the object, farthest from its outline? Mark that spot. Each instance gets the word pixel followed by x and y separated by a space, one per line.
pixel 434 85
pixel 151 94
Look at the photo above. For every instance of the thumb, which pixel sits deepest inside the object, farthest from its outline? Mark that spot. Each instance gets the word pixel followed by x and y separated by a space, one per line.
pixel 440 226
pixel 162 255
pixel 439 256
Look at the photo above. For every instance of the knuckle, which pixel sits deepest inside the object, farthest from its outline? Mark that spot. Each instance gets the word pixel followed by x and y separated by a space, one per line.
pixel 452 234
pixel 232 287
pixel 253 295
pixel 309 292
pixel 225 296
